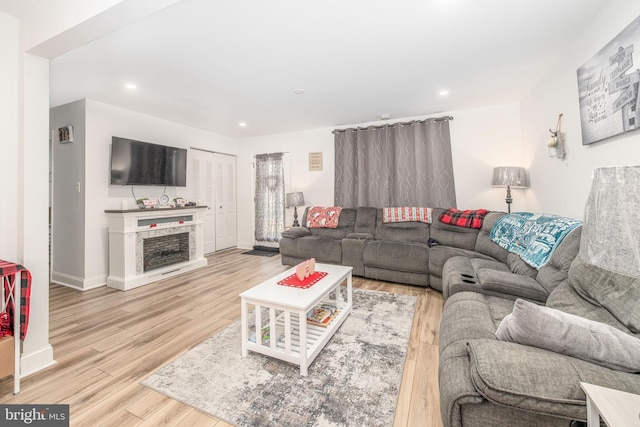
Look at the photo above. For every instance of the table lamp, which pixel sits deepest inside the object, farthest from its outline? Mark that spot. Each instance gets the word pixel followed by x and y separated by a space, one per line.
pixel 509 176
pixel 295 200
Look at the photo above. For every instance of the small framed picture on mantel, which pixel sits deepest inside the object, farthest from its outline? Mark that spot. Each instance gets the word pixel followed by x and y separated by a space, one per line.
pixel 65 134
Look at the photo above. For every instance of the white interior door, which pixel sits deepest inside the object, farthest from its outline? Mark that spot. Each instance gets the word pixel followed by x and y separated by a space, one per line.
pixel 201 189
pixel 226 230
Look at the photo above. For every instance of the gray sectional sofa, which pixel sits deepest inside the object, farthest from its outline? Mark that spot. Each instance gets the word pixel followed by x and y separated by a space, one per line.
pixel 484 381
pixel 401 252
pixel 515 342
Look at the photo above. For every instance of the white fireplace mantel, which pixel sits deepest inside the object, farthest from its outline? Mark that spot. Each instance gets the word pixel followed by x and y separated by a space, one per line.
pixel 129 228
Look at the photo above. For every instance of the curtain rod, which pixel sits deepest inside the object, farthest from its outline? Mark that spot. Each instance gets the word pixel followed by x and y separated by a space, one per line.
pixel 437 119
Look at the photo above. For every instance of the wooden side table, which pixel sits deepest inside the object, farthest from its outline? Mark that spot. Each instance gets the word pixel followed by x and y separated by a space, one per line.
pixel 616 408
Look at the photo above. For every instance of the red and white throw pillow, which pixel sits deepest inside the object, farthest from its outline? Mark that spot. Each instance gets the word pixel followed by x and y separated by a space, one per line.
pixel 321 217
pixel 406 214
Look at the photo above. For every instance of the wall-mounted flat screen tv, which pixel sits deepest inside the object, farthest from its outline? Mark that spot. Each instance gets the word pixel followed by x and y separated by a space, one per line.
pixel 142 163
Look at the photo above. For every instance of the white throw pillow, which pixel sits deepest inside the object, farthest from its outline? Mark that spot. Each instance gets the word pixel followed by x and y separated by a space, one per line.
pixel 560 332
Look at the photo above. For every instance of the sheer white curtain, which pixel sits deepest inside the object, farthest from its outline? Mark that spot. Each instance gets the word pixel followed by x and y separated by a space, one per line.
pixel 402 164
pixel 269 197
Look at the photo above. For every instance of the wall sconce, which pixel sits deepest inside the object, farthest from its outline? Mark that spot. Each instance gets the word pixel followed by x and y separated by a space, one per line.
pixel 509 176
pixel 555 145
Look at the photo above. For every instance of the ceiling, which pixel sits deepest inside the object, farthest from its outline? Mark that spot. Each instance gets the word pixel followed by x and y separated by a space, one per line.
pixel 214 64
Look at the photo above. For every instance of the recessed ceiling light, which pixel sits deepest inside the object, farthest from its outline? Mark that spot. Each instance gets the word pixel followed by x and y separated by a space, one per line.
pixel 242 124
pixel 131 86
pixel 298 91
pixel 385 116
pixel 443 92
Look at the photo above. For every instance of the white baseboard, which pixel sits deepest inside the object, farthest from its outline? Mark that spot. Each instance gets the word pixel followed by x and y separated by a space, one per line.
pixel 244 245
pixel 36 361
pixel 67 280
pixel 78 283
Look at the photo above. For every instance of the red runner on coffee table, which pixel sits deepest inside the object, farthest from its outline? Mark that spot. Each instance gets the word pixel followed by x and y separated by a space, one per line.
pixel 302 284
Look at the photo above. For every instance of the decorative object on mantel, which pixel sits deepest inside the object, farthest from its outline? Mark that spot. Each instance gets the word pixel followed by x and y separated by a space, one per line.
pixel 294 200
pixel 146 203
pixel 608 89
pixel 555 145
pixel 509 176
pixel 164 200
pixel 65 134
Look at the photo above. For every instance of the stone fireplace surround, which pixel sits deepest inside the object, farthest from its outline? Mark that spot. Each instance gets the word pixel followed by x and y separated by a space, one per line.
pixel 128 230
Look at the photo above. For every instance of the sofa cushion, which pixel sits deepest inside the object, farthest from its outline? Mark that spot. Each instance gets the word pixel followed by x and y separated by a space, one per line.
pixel 480 263
pixel 295 232
pixel 538 380
pixel 618 294
pixel 451 235
pixel 439 254
pixel 556 270
pixel 518 266
pixel 417 232
pixel 321 248
pixel 366 220
pixel 511 285
pixel 565 333
pixel 397 256
pixel 484 244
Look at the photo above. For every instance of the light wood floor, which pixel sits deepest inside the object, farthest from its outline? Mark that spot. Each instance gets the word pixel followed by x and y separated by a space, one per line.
pixel 105 341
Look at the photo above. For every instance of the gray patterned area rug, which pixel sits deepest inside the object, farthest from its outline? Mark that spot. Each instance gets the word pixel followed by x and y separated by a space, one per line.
pixel 354 381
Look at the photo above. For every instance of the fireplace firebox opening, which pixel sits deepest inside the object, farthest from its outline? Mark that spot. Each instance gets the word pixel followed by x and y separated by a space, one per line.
pixel 162 251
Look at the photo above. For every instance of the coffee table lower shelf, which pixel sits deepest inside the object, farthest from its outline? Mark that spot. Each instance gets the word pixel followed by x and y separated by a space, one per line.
pixel 287 346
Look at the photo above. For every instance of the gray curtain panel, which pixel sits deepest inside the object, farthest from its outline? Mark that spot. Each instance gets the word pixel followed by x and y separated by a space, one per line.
pixel 269 198
pixel 402 164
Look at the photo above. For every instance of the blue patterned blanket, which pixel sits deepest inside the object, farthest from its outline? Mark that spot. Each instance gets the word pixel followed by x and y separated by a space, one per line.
pixel 532 236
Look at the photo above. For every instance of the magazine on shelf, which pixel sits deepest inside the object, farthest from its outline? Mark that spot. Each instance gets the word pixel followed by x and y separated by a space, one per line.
pixel 266 336
pixel 322 314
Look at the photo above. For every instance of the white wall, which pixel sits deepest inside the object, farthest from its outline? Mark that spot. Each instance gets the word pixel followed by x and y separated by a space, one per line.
pixel 317 186
pixel 102 122
pixel 68 201
pixel 9 83
pixel 480 138
pixel 33 238
pixel 561 186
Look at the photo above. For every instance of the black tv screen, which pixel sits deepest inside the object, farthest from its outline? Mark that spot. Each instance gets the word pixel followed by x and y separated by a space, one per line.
pixel 142 163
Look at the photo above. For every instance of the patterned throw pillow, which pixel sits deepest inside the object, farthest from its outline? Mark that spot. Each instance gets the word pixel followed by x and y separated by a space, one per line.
pixel 321 217
pixel 406 214
pixel 468 218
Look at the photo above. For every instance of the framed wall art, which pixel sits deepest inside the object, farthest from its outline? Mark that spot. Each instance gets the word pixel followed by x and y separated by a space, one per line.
pixel 315 161
pixel 65 134
pixel 608 88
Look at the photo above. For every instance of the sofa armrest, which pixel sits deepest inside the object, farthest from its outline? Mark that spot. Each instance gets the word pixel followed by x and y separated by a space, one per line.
pixel 359 236
pixel 538 380
pixel 511 284
pixel 296 232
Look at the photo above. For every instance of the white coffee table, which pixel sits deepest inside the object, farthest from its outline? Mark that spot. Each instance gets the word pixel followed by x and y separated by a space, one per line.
pixel 287 308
